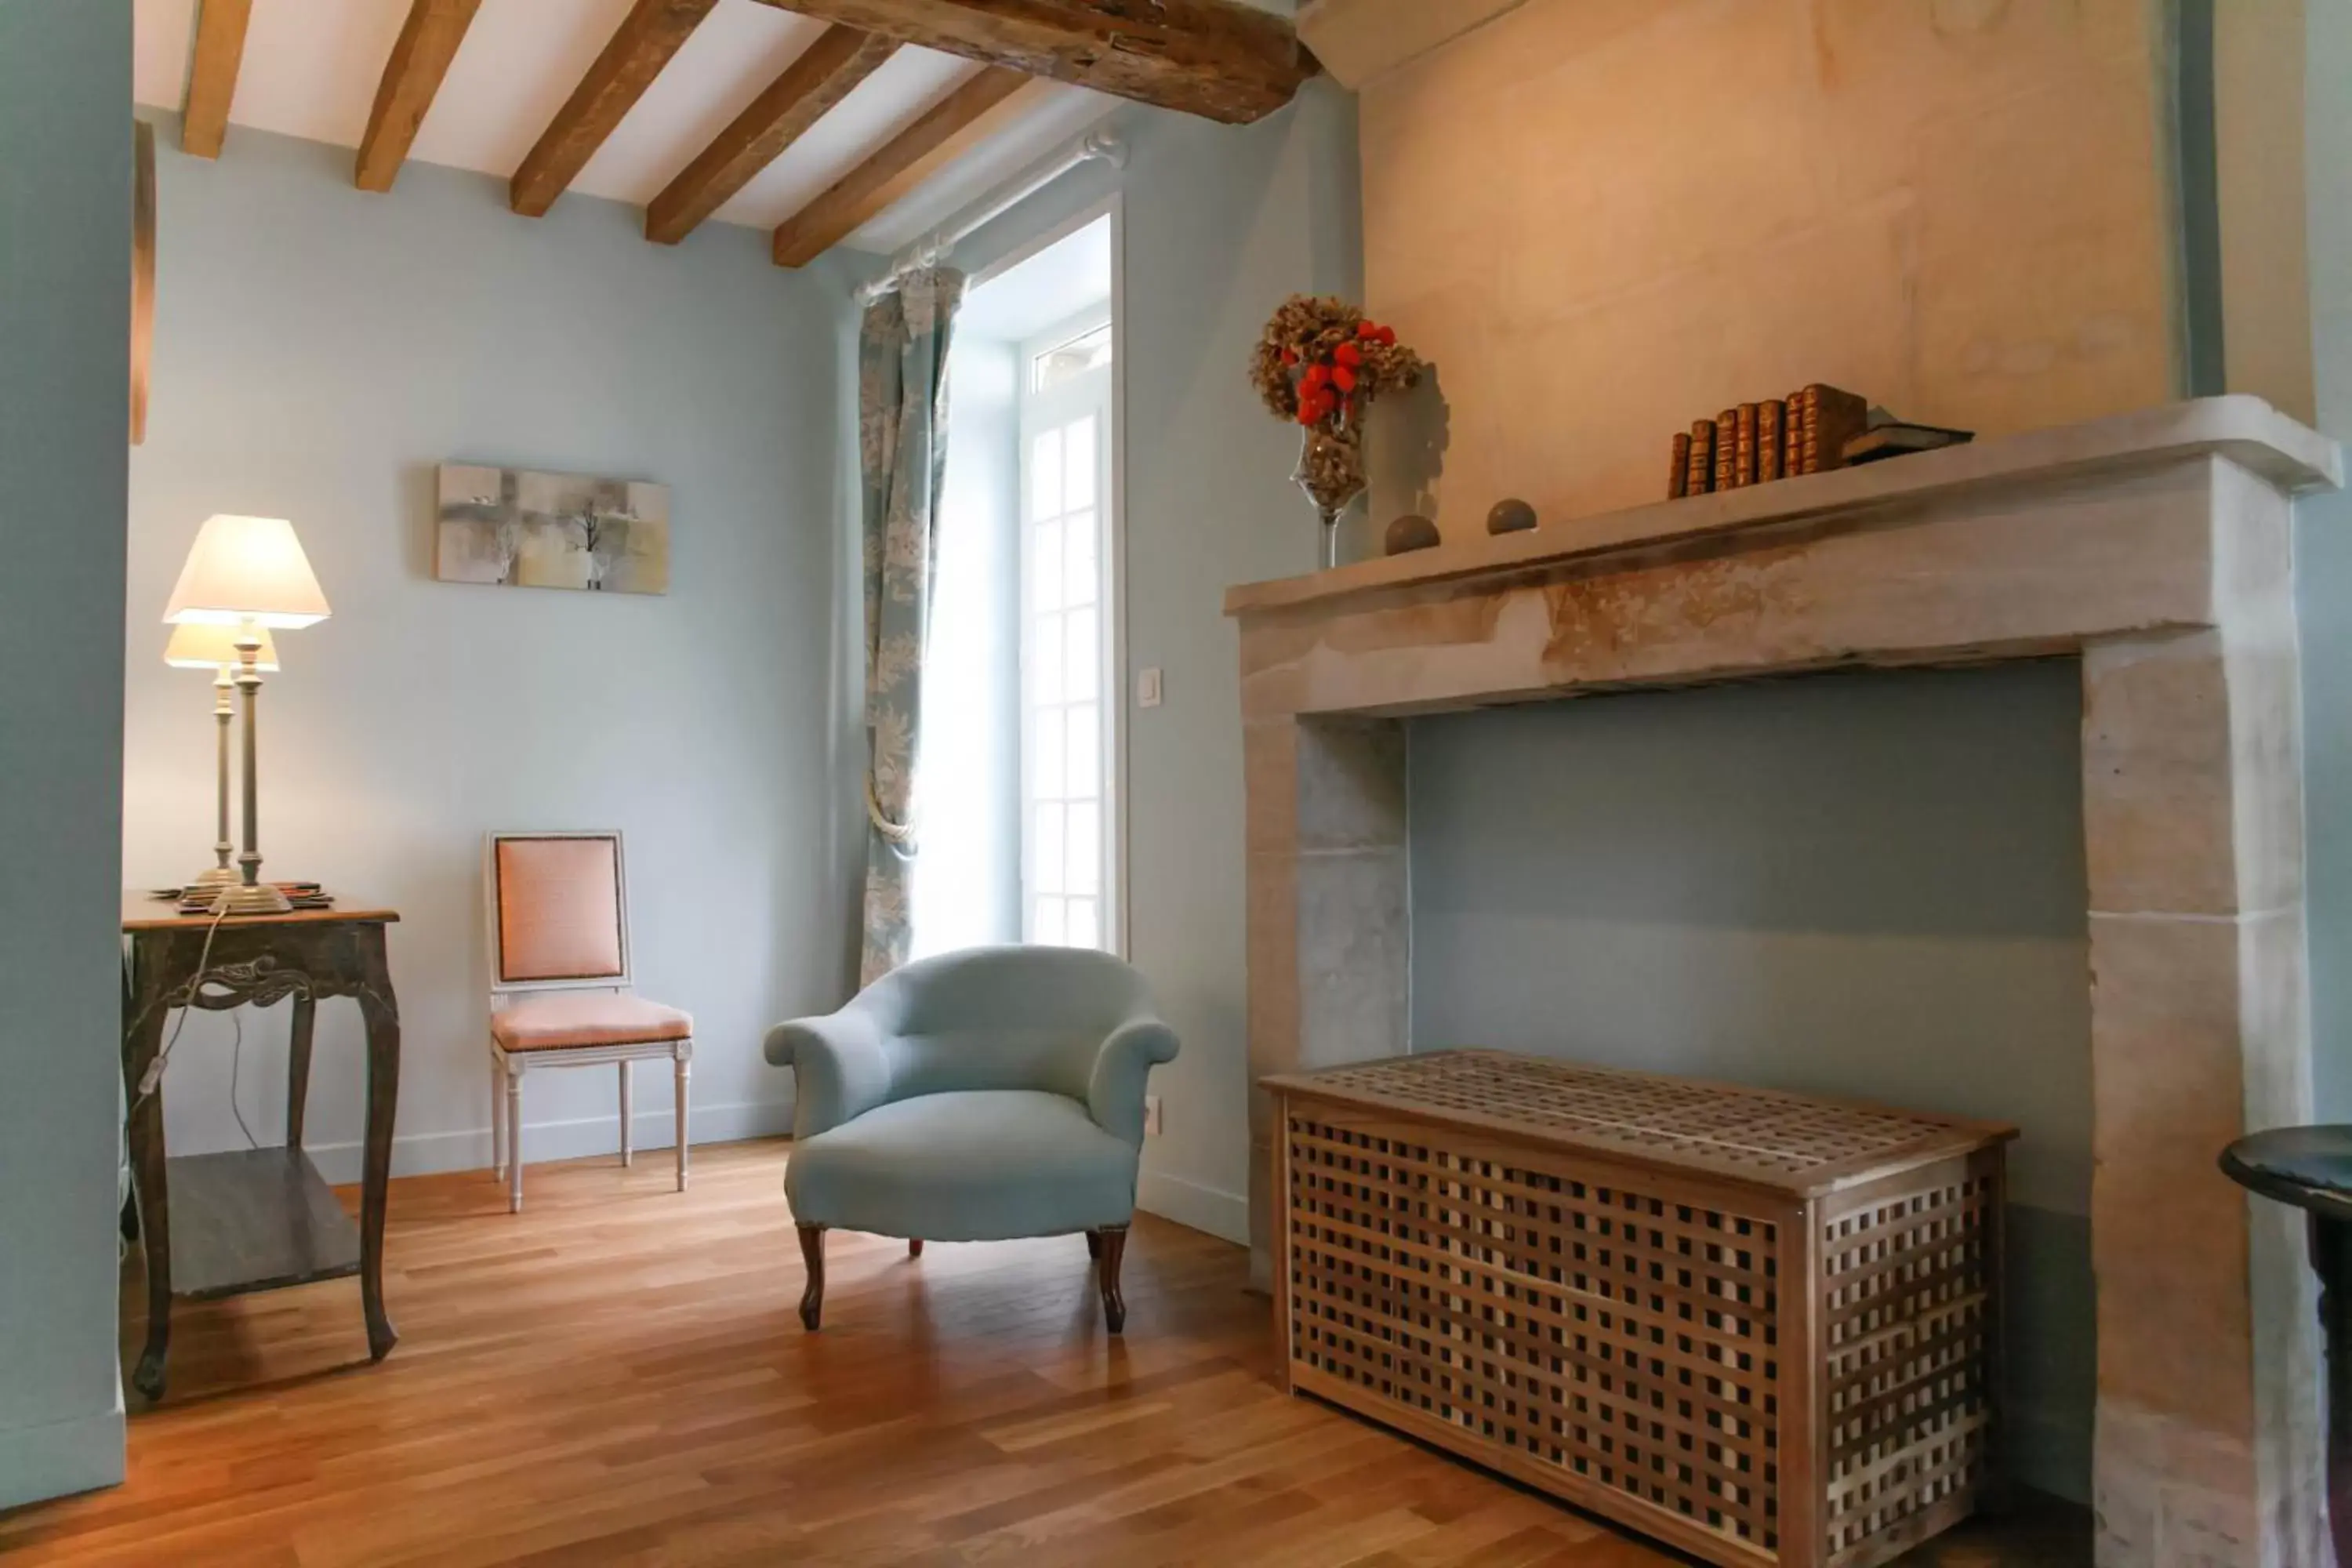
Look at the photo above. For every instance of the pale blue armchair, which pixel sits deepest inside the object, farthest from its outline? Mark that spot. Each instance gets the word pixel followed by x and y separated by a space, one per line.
pixel 978 1095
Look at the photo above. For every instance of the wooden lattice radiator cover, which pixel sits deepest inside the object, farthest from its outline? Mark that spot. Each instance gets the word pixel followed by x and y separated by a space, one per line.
pixel 1756 1326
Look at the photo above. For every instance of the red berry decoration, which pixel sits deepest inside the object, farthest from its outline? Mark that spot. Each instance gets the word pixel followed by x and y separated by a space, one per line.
pixel 1317 364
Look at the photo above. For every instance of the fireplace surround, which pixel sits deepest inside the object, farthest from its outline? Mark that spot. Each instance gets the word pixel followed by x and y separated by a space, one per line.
pixel 2156 546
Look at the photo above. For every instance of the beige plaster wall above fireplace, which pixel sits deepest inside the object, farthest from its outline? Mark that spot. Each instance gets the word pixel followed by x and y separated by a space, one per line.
pixel 1605 218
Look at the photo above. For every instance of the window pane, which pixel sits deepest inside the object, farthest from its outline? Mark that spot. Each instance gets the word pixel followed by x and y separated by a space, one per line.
pixel 1085 852
pixel 1045 569
pixel 1068 362
pixel 1047 925
pixel 1046 476
pixel 1045 658
pixel 1047 768
pixel 1046 875
pixel 1085 758
pixel 1083 658
pixel 1080 584
pixel 1079 463
pixel 1083 929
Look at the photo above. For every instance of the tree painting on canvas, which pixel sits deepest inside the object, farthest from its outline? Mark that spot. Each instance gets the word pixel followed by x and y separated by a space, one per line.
pixel 519 528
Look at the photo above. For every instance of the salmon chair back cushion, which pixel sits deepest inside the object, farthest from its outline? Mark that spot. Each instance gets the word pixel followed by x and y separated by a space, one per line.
pixel 559 909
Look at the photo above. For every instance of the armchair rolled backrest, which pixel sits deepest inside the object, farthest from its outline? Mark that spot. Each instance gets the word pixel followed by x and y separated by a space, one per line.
pixel 1067 1021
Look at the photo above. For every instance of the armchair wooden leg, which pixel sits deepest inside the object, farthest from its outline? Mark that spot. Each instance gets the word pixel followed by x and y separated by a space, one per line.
pixel 1112 1241
pixel 813 1259
pixel 1094 1244
pixel 915 1246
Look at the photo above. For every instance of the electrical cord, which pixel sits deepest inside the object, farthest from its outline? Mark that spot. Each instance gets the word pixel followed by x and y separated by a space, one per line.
pixel 235 1066
pixel 153 1077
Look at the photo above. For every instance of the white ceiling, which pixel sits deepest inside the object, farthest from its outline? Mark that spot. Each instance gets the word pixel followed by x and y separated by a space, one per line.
pixel 312 68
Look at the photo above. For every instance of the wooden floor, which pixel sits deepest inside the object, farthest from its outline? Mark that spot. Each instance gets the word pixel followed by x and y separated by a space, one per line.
pixel 616 1376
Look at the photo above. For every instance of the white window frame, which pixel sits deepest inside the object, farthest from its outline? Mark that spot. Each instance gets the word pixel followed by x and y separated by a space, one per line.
pixel 1092 393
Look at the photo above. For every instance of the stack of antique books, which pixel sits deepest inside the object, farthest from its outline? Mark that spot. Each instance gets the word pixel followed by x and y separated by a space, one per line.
pixel 1808 432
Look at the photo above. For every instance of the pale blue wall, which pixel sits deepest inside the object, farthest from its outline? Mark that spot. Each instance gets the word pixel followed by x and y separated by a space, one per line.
pixel 2323 563
pixel 1221 224
pixel 64 282
pixel 1868 885
pixel 319 348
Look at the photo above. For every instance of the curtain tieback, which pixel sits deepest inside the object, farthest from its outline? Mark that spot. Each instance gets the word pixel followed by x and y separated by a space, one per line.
pixel 899 834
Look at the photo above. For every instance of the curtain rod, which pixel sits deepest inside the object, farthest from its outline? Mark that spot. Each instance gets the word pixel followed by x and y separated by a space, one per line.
pixel 1098 146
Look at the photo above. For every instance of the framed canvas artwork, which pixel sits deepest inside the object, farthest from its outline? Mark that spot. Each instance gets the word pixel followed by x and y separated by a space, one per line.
pixel 516 528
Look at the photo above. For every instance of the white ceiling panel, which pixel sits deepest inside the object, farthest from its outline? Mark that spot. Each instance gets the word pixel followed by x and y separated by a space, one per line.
pixel 311 67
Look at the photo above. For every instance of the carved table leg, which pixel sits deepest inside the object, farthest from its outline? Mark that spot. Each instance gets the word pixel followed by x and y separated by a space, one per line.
pixel 2331 1258
pixel 813 1259
pixel 143 1014
pixel 298 1069
pixel 1114 1250
pixel 382 1012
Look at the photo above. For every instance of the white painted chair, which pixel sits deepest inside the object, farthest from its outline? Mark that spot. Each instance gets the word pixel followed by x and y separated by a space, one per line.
pixel 559 932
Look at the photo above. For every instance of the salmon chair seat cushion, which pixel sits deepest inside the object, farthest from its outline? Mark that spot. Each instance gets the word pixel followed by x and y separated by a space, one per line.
pixel 573 1019
pixel 977 1096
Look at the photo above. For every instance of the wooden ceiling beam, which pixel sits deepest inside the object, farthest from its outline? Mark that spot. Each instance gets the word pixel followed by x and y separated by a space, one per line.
pixel 420 58
pixel 1217 59
pixel 212 75
pixel 965 118
pixel 806 90
pixel 639 48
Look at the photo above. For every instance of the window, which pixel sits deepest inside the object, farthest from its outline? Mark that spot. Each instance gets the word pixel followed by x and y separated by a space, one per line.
pixel 1058 366
pixel 1066 636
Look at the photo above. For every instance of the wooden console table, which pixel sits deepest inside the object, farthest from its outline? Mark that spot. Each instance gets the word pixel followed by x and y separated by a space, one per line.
pixel 261 1218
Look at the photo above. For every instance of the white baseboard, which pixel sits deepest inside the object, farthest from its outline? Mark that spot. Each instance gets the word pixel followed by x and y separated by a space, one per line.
pixel 61 1457
pixel 1222 1214
pixel 427 1154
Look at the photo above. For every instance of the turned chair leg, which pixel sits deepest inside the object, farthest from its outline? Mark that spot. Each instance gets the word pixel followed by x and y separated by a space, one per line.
pixel 1111 1248
pixel 629 1115
pixel 915 1246
pixel 514 1140
pixel 813 1259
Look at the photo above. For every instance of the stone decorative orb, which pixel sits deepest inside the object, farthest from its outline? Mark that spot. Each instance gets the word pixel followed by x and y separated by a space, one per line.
pixel 1510 517
pixel 1410 532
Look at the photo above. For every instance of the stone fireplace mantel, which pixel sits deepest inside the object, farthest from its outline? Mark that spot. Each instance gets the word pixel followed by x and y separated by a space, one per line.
pixel 2156 546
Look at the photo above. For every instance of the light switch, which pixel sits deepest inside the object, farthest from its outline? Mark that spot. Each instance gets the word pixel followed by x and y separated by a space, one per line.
pixel 1146 688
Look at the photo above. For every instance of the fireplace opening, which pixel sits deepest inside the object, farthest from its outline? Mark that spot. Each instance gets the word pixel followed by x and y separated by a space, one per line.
pixel 1866 884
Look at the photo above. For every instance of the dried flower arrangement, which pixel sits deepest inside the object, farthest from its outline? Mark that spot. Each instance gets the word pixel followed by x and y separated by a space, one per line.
pixel 1318 362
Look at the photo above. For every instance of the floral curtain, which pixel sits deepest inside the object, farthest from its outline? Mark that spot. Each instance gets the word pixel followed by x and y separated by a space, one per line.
pixel 902 419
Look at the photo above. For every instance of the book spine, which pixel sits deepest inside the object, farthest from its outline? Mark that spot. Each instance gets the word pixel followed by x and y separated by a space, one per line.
pixel 1727 449
pixel 1745 462
pixel 1771 441
pixel 1678 472
pixel 1833 418
pixel 1792 436
pixel 1701 478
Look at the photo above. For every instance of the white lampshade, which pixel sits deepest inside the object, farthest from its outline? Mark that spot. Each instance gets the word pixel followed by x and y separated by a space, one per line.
pixel 246 569
pixel 201 644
